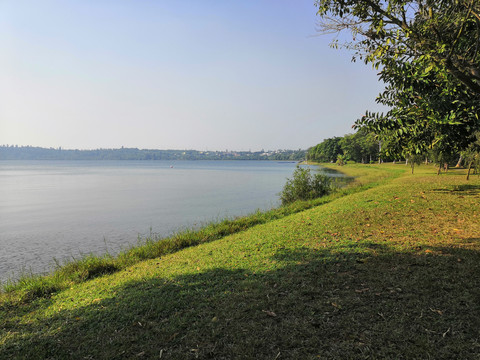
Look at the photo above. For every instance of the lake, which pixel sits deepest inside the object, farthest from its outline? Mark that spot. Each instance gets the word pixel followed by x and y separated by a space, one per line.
pixel 63 209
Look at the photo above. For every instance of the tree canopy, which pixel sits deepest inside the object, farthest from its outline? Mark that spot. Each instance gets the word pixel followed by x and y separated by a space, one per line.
pixel 442 33
pixel 359 147
pixel 428 53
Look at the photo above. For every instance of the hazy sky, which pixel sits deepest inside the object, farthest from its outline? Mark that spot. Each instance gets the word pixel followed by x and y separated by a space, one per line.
pixel 171 74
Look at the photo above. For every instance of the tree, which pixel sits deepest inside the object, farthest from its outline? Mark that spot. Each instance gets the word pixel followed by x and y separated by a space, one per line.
pixel 442 33
pixel 427 110
pixel 326 151
pixel 414 159
pixel 428 52
pixel 361 146
pixel 472 155
pixel 350 147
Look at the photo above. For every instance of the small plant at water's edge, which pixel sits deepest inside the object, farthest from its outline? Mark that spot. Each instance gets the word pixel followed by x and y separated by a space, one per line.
pixel 305 186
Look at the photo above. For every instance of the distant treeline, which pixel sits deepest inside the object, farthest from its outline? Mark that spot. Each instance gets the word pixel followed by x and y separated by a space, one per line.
pixel 362 147
pixel 367 147
pixel 38 153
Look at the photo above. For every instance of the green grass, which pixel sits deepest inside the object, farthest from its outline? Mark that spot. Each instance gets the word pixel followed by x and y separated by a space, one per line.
pixel 387 269
pixel 30 286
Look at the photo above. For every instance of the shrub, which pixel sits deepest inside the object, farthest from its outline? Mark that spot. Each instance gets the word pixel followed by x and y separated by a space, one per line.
pixel 305 186
pixel 341 160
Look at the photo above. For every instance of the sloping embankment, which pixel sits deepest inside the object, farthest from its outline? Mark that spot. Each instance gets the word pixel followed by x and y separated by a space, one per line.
pixel 389 272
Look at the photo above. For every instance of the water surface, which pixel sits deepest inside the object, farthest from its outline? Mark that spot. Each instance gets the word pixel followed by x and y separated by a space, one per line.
pixel 63 209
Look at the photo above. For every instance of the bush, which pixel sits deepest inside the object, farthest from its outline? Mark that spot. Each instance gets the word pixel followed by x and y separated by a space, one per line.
pixel 341 160
pixel 305 186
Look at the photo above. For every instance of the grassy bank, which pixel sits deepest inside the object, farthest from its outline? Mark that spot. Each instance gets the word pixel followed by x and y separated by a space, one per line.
pixel 30 286
pixel 387 269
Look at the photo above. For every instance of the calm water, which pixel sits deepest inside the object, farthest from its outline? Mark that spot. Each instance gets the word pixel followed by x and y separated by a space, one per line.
pixel 57 209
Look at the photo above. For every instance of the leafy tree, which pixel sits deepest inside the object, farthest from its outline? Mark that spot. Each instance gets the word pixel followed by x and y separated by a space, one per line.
pixel 472 156
pixel 361 146
pixel 327 150
pixel 414 159
pixel 442 156
pixel 428 52
pixel 441 33
pixel 351 147
pixel 427 110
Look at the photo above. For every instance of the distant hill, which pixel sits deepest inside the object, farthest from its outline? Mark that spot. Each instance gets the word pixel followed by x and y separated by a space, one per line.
pixel 38 153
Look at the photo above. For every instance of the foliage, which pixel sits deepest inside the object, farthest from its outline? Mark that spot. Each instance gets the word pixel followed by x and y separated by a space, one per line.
pixel 341 160
pixel 305 186
pixel 442 157
pixel 472 156
pixel 415 159
pixel 426 111
pixel 326 151
pixel 428 55
pixel 360 147
pixel 441 34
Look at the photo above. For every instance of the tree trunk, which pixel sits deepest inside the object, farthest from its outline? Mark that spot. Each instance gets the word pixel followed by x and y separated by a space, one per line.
pixel 379 152
pixel 459 163
pixel 469 168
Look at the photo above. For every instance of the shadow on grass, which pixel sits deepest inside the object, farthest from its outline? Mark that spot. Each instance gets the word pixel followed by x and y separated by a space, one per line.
pixel 463 189
pixel 362 302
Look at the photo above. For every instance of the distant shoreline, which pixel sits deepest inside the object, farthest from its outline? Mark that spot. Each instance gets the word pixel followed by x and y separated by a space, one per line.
pixel 39 153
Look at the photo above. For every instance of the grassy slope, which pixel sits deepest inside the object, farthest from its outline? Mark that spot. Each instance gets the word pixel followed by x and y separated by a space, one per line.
pixel 390 272
pixel 29 287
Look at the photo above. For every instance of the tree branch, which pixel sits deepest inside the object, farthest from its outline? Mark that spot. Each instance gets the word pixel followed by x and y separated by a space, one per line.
pixel 460 31
pixel 393 19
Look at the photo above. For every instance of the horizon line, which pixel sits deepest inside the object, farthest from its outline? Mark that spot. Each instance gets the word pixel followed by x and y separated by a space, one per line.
pixel 60 148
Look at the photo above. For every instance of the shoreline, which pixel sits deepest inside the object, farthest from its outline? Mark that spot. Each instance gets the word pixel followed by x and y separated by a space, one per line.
pixel 91 266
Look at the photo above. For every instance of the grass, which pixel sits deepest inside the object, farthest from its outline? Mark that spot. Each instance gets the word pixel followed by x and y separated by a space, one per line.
pixel 31 286
pixel 387 270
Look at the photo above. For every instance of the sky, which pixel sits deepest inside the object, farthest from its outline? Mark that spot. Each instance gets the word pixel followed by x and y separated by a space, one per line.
pixel 169 74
